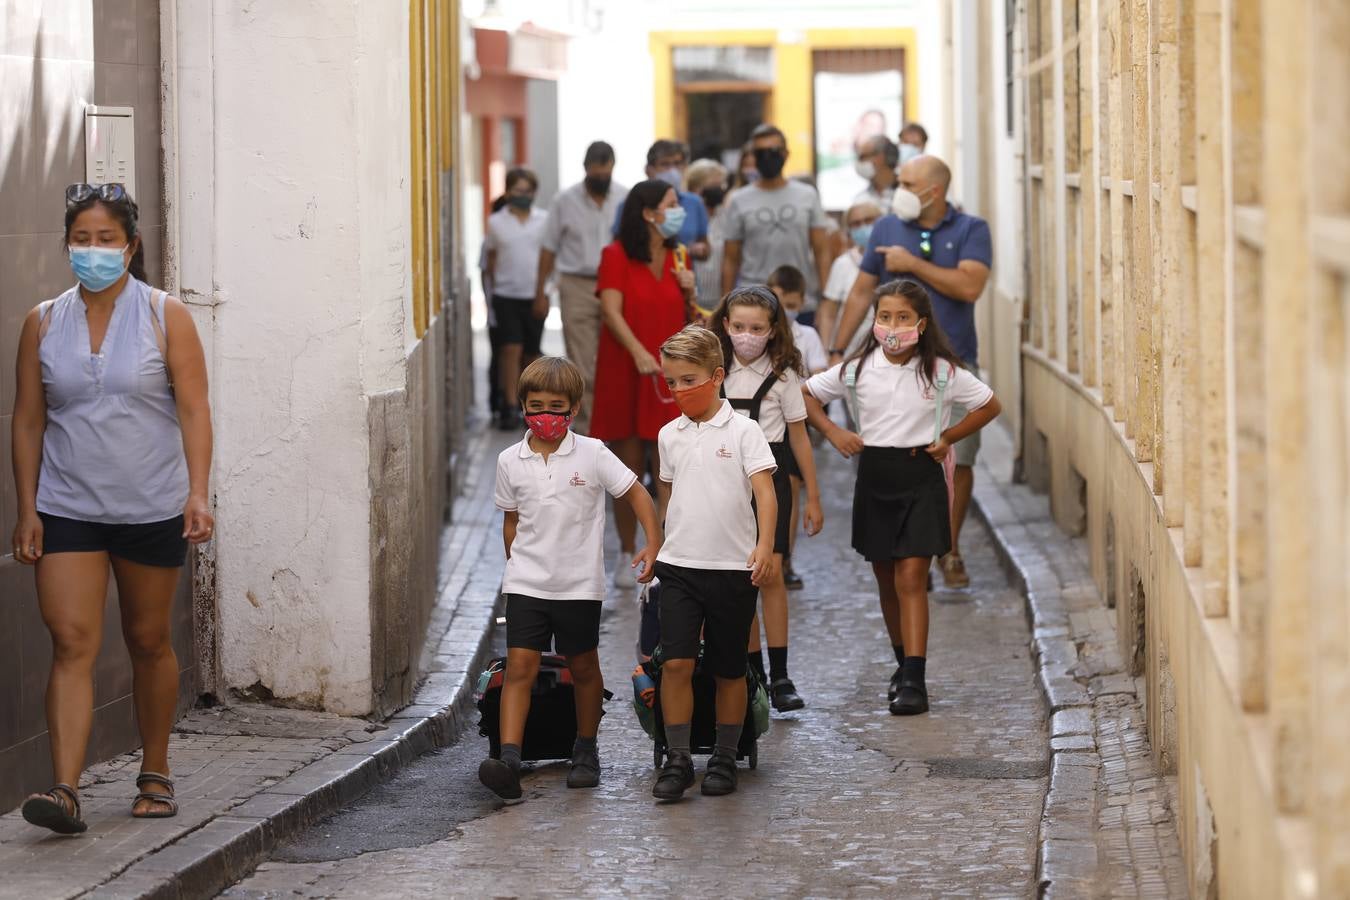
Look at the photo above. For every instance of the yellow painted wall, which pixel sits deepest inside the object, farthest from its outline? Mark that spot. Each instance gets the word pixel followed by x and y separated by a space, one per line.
pixel 791 99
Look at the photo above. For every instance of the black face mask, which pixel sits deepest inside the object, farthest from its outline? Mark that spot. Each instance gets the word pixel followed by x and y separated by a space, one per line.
pixel 597 185
pixel 713 196
pixel 769 161
pixel 519 201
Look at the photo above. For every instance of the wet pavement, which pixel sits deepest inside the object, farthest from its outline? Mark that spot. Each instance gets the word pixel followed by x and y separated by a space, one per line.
pixel 847 800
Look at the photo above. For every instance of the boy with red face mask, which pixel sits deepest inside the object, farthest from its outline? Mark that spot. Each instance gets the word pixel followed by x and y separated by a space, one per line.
pixel 551 487
pixel 719 551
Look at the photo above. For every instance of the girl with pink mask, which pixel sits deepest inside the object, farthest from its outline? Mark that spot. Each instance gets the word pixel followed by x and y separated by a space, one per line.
pixel 764 371
pixel 900 386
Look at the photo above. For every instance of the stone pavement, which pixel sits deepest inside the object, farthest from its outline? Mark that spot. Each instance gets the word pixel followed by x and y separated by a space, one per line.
pixel 847 800
pixel 1108 828
pixel 249 775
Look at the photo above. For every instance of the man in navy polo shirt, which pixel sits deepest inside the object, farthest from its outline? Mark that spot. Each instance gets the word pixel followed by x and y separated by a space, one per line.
pixel 949 253
pixel 666 161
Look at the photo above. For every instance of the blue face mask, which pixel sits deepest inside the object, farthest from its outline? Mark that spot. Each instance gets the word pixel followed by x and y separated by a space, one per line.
pixel 672 177
pixel 674 221
pixel 97 268
pixel 861 235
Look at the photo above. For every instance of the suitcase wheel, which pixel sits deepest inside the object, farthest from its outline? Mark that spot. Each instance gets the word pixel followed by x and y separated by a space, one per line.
pixel 754 755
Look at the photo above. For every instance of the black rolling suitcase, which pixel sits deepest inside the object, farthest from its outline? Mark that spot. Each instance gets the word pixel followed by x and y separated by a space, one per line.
pixel 551 726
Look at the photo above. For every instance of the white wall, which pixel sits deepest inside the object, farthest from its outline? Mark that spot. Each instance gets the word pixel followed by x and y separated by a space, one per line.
pixel 290 180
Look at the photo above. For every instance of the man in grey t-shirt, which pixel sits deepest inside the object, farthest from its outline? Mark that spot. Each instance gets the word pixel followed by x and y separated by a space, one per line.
pixel 774 222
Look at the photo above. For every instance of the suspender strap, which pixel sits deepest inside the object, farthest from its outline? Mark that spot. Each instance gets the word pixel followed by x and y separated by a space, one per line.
pixel 851 382
pixel 941 384
pixel 752 403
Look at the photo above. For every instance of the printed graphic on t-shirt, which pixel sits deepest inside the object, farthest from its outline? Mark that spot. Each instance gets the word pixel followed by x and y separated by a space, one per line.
pixel 576 480
pixel 723 452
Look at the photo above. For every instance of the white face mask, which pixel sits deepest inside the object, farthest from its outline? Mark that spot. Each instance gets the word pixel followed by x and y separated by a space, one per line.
pixel 906 205
pixel 866 169
pixel 908 152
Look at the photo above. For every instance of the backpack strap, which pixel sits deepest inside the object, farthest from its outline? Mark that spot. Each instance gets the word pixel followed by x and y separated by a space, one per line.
pixel 851 382
pixel 940 382
pixel 44 318
pixel 157 321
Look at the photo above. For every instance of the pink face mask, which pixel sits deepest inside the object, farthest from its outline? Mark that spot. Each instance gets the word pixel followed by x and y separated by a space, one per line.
pixel 896 340
pixel 548 426
pixel 749 346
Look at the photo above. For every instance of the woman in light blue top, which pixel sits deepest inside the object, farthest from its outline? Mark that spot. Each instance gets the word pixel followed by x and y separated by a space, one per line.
pixel 112 451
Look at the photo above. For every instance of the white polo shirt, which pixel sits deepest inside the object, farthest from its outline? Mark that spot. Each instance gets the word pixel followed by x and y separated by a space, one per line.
pixel 783 403
pixel 808 342
pixel 709 523
pixel 558 553
pixel 896 405
pixel 517 245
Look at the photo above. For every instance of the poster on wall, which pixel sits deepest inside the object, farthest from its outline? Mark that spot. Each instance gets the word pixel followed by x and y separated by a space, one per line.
pixel 850 107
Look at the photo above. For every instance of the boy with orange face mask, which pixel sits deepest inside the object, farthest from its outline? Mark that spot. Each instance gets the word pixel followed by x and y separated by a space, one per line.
pixel 718 550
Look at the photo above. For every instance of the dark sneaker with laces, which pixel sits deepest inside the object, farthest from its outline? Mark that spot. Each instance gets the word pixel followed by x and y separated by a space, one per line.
pixel 677 776
pixel 720 777
pixel 911 699
pixel 501 778
pixel 585 772
pixel 783 694
pixel 894 687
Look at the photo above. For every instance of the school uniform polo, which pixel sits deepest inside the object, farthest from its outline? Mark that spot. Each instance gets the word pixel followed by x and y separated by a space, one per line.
pixel 558 553
pixel 782 405
pixel 896 405
pixel 709 522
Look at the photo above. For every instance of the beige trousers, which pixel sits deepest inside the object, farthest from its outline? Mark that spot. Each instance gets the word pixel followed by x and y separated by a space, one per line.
pixel 580 309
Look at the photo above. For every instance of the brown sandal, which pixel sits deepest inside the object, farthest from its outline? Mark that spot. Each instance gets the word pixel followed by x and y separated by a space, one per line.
pixel 48 811
pixel 163 781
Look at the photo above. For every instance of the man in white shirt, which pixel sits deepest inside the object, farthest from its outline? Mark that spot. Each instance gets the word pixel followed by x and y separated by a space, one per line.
pixel 514 234
pixel 578 229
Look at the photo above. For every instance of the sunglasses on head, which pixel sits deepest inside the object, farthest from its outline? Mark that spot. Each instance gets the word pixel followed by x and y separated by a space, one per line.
pixel 926 244
pixel 108 193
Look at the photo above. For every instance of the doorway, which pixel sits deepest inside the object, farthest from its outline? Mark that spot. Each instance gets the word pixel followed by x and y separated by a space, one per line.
pixel 716 121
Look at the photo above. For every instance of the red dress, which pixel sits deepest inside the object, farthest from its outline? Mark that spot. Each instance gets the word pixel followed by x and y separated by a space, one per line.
pixel 627 404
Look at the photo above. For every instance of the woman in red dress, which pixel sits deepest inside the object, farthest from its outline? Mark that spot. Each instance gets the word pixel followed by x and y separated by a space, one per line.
pixel 643 300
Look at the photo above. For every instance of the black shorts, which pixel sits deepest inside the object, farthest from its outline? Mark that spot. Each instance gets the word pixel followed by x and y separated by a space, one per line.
pixel 154 544
pixel 516 323
pixel 535 624
pixel 720 603
pixel 900 505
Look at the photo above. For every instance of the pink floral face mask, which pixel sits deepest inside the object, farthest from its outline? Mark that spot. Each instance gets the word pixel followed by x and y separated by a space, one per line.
pixel 548 426
pixel 749 347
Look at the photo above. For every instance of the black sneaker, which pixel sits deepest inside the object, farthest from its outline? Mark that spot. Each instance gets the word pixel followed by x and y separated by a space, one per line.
pixel 792 580
pixel 677 776
pixel 895 684
pixel 783 694
pixel 503 779
pixel 911 700
pixel 585 772
pixel 720 777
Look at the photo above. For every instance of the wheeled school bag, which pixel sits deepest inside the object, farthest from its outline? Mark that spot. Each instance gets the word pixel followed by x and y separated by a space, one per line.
pixel 703 730
pixel 551 726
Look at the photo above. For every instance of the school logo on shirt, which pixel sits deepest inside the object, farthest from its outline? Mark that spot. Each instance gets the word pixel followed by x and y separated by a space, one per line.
pixel 576 480
pixel 723 452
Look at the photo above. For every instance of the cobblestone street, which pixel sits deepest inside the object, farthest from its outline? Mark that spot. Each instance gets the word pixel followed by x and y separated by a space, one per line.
pixel 847 800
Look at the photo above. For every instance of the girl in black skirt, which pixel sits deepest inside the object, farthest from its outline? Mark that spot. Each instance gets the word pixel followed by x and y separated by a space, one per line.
pixel 763 381
pixel 900 386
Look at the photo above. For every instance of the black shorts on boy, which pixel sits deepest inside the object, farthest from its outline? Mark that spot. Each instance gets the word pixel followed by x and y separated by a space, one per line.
pixel 572 627
pixel 720 603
